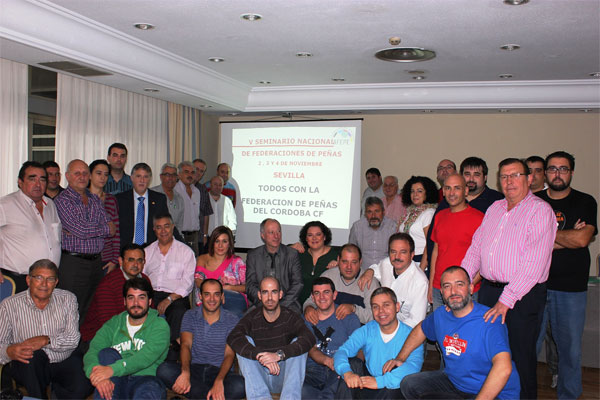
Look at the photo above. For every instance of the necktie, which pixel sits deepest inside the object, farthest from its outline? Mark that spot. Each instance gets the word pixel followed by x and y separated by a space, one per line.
pixel 272 271
pixel 138 237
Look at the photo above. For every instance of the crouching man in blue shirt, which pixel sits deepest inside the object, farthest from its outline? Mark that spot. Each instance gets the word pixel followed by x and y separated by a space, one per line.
pixel 378 340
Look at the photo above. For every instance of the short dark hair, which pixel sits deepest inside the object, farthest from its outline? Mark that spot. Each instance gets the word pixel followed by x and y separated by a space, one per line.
pixel 199 160
pixel 143 166
pixel 304 231
pixel 161 216
pixel 44 263
pixel 218 231
pixel 561 154
pixel 223 163
pixel 352 248
pixel 117 146
pixel 211 280
pixel 402 236
pixel 384 290
pixel 513 160
pixel 431 192
pixel 455 268
pixel 374 201
pixel 139 284
pixel 373 170
pixel 132 246
pixel 95 163
pixel 50 164
pixel 532 159
pixel 474 162
pixel 29 164
pixel 323 280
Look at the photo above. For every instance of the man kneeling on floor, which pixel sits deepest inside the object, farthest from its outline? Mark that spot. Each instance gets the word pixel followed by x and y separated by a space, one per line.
pixel 272 343
pixel 206 359
pixel 123 356
pixel 378 340
pixel 476 353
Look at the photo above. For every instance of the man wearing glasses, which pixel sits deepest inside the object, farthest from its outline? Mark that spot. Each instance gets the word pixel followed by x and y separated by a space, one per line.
pixel 168 180
pixel 512 250
pixel 38 333
pixel 576 214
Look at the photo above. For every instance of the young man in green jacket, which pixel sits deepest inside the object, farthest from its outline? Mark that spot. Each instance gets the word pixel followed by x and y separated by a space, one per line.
pixel 123 356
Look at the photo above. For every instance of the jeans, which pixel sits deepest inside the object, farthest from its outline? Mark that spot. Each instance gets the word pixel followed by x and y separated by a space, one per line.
pixel 320 382
pixel 566 312
pixel 202 378
pixel 431 385
pixel 260 383
pixel 130 386
pixel 551 351
pixel 235 302
pixel 359 367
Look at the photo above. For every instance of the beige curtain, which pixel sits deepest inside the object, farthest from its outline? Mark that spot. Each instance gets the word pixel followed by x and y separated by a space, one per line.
pixel 184 133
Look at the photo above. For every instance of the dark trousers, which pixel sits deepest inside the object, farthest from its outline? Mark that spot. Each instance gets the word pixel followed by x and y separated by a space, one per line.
pixel 202 378
pixel 80 277
pixel 432 385
pixel 523 322
pixel 358 367
pixel 173 313
pixel 20 281
pixel 66 377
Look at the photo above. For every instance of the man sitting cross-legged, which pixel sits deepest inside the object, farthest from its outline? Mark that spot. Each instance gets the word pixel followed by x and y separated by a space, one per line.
pixel 206 358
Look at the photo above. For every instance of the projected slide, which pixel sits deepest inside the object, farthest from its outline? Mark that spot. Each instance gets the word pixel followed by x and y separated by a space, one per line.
pixel 296 172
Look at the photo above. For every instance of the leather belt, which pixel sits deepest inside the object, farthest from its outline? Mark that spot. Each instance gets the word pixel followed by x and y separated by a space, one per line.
pixel 496 284
pixel 85 256
pixel 189 232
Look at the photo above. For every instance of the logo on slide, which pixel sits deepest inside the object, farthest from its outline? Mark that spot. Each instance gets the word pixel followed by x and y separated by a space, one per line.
pixel 342 133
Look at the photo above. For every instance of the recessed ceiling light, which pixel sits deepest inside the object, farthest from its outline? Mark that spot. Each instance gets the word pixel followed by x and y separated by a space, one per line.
pixel 204 106
pixel 264 82
pixel 515 2
pixel 151 90
pixel 405 54
pixel 505 76
pixel 418 77
pixel 595 74
pixel 426 111
pixel 251 17
pixel 503 110
pixel 216 59
pixel 233 114
pixel 144 26
pixel 416 71
pixel 338 79
pixel 586 110
pixel 510 47
pixel 303 54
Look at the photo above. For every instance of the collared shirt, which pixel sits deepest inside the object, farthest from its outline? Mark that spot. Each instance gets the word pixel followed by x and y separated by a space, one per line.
pixel 191 207
pixel 372 242
pixel 395 210
pixel 175 206
pixel 205 207
pixel 173 272
pixel 114 187
pixel 21 319
pixel 513 246
pixel 224 214
pixel 84 226
pixel 24 236
pixel 135 212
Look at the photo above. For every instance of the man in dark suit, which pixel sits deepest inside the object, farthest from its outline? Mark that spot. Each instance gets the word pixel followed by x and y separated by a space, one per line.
pixel 138 206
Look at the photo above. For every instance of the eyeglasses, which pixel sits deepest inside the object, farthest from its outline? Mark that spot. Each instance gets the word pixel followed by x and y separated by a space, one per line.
pixel 516 175
pixel 562 170
pixel 446 168
pixel 41 278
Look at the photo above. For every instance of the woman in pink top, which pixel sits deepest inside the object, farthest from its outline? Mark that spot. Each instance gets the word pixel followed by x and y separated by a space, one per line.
pixel 220 263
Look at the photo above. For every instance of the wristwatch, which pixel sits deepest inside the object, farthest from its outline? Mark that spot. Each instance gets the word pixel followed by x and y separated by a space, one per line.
pixel 281 354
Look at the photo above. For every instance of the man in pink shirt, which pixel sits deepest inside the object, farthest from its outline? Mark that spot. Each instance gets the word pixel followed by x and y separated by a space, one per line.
pixel 512 250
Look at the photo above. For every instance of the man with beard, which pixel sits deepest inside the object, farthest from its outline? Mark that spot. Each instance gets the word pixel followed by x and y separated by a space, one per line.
pixel 379 340
pixel 372 232
pixel 477 359
pixel 125 353
pixel 206 358
pixel 399 272
pixel 272 343
pixel 576 214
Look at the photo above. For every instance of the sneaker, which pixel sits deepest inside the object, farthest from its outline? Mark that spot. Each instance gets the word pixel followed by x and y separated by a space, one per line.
pixel 554 382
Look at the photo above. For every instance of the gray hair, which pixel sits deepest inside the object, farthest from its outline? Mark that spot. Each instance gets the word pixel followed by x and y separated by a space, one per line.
pixel 167 165
pixel 183 164
pixel 44 263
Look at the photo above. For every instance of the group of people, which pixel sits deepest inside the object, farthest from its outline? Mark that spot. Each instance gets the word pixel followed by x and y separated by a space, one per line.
pixel 127 290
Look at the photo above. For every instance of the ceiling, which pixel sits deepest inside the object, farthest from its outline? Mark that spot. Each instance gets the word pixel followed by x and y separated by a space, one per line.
pixel 559 48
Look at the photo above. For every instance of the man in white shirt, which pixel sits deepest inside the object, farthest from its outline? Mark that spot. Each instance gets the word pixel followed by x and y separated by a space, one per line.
pixel 170 265
pixel 399 272
pixel 191 204
pixel 29 226
pixel 223 211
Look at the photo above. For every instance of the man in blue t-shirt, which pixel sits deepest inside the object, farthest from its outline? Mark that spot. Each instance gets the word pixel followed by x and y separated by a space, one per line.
pixel 476 353
pixel 206 358
pixel 321 381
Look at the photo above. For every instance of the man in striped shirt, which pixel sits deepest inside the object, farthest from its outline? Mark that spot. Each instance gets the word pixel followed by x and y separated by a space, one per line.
pixel 38 333
pixel 512 250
